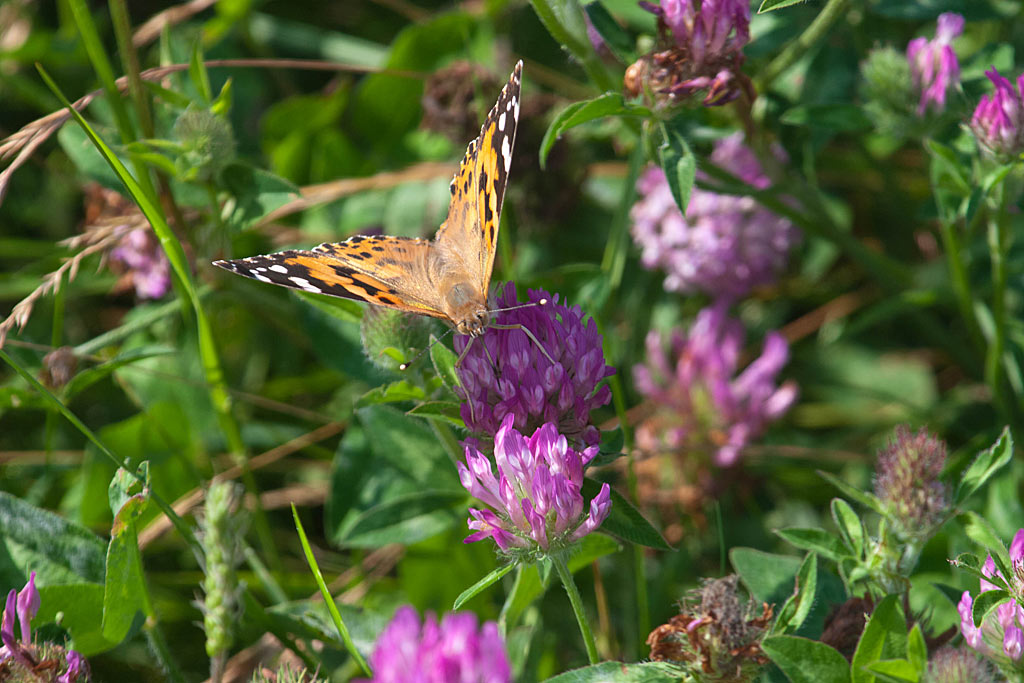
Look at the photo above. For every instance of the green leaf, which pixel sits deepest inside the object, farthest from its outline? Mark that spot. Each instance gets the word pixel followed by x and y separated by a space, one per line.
pixel 402 390
pixel 807 661
pixel 679 164
pixel 618 672
pixel 592 548
pixel 884 637
pixel 481 585
pixel 917 649
pixel 440 410
pixel 608 104
pixel 625 521
pixel 986 603
pixel 618 40
pixel 769 5
pixel 816 540
pixel 404 519
pixel 125 599
pixel 866 499
pixel 80 607
pixel 986 464
pixel 257 192
pixel 444 360
pixel 851 529
pixel 58 550
pixel 768 576
pixel 410 445
pixel 124 486
pixel 980 531
pixel 794 612
pixel 198 75
pixel 90 376
pixel 895 671
pixel 834 117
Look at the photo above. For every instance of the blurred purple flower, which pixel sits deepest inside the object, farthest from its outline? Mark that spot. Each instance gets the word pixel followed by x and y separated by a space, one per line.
pixel 77 668
pixel 454 651
pixel 505 373
pixel 140 253
pixel 1001 638
pixel 998 121
pixel 725 245
pixel 907 482
pixel 708 37
pixel 958 665
pixel 700 404
pixel 536 496
pixel 933 64
pixel 23 657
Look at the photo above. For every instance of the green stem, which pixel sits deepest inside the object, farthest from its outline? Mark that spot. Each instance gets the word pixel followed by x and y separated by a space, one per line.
pixel 163 653
pixel 997 243
pixel 960 281
pixel 577 607
pixel 177 521
pixel 796 49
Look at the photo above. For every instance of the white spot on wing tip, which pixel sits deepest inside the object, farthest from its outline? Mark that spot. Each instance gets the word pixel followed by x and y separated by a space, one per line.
pixel 262 278
pixel 506 153
pixel 305 285
pixel 277 268
pixel 501 122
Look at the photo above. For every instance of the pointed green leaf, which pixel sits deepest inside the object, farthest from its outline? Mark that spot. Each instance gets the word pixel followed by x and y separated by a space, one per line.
pixel 679 164
pixel 884 637
pixel 816 540
pixel 608 104
pixel 807 661
pixel 625 521
pixel 851 529
pixel 987 463
pixel 866 499
pixel 795 610
pixel 481 585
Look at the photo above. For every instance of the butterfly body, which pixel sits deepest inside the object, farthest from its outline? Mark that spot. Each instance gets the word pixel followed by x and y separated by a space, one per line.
pixel 447 277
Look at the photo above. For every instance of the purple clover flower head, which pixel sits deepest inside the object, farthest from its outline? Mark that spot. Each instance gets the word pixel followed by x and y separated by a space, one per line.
pixel 725 245
pixel 933 64
pixel 701 404
pixel 958 665
pixel 505 373
pixel 140 253
pixel 454 650
pixel 707 38
pixel 1001 636
pixel 536 499
pixel 998 120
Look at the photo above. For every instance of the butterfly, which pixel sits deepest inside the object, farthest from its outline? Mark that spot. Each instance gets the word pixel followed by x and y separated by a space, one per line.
pixel 447 277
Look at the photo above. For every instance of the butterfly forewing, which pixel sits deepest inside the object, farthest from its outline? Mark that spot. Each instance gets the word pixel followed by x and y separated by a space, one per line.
pixel 416 275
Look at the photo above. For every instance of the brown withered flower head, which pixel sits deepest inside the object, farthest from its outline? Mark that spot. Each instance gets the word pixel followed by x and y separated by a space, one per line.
pixel 700 50
pixel 719 638
pixel 450 105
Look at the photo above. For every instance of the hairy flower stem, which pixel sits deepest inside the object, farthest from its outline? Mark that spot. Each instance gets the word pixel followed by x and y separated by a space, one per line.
pixel 577 606
pixel 796 49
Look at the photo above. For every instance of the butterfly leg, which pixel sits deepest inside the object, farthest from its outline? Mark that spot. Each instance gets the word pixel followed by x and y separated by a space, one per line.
pixel 529 334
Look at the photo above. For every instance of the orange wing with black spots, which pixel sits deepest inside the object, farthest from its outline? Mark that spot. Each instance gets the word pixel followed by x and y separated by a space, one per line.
pixel 413 274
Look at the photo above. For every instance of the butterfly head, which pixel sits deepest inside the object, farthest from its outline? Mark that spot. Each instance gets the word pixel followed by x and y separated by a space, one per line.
pixel 474 324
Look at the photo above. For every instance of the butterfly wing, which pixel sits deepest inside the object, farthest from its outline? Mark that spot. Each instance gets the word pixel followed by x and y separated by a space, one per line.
pixel 471 230
pixel 387 271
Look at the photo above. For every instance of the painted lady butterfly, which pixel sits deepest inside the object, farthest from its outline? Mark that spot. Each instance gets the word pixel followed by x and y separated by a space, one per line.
pixel 448 277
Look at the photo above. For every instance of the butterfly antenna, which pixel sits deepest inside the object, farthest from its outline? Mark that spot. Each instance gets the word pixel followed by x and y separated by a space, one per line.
pixel 541 302
pixel 405 366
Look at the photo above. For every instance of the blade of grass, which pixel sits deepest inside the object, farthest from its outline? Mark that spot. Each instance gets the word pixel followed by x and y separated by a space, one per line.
pixel 328 598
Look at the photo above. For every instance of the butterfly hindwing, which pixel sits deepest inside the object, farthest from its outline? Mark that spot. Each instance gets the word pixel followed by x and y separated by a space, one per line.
pixel 478 188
